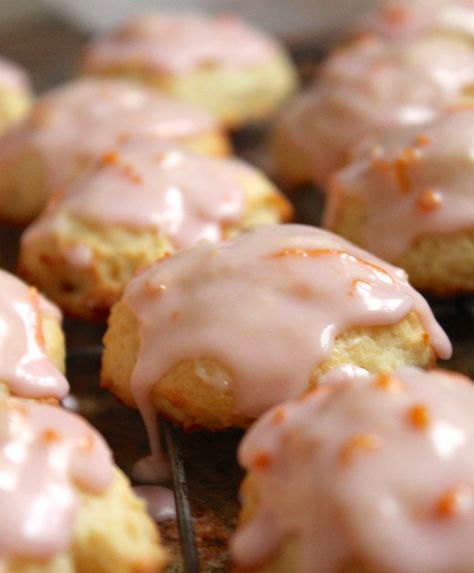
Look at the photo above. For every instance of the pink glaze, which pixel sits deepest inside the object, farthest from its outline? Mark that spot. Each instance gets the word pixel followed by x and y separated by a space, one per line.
pixel 159 501
pixel 179 43
pixel 368 474
pixel 12 77
pixel 71 125
pixel 46 455
pixel 412 183
pixel 268 305
pixel 151 469
pixel 405 19
pixel 24 365
pixel 372 86
pixel 145 184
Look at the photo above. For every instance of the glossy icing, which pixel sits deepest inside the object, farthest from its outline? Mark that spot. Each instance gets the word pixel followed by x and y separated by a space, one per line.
pixel 412 183
pixel 404 19
pixel 73 124
pixel 12 77
pixel 145 184
pixel 268 305
pixel 178 43
pixel 46 455
pixel 366 474
pixel 371 86
pixel 159 501
pixel 24 365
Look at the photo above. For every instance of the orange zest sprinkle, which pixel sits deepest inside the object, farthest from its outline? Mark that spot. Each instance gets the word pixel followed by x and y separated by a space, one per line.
pixel 396 15
pixel 429 201
pixel 358 443
pixel 132 174
pixel 426 338
pixel 279 416
pixel 33 295
pixel 87 442
pixel 402 166
pixel 175 315
pixel 313 253
pixel 50 436
pixel 455 501
pixel 419 416
pixel 388 382
pixel 110 158
pixel 262 460
pixel 422 140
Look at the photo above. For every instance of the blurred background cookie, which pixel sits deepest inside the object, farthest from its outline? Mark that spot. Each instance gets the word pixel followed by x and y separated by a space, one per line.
pixel 217 334
pixel 70 126
pixel 15 94
pixel 220 63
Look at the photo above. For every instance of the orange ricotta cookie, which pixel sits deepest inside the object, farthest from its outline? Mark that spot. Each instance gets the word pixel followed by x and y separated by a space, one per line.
pixel 140 202
pixel 366 474
pixel 71 125
pixel 367 87
pixel 218 334
pixel 219 63
pixel 15 94
pixel 406 197
pixel 65 507
pixel 31 343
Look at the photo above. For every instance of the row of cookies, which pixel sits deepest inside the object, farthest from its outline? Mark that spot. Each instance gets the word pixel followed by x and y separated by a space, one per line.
pixel 127 175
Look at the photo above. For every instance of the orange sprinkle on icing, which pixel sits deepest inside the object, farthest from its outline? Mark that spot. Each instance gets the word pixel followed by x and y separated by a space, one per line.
pixel 262 460
pixel 422 140
pixel 87 442
pixel 110 158
pixel 426 338
pixel 454 502
pixel 396 15
pixel 419 416
pixel 50 436
pixel 279 416
pixel 33 295
pixel 429 201
pixel 402 165
pixel 359 443
pixel 388 383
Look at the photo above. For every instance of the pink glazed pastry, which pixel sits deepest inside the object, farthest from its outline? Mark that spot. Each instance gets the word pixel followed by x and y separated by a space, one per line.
pixel 31 343
pixel 218 334
pixel 141 201
pixel 367 474
pixel 64 505
pixel 367 87
pixel 71 125
pixel 220 63
pixel 406 197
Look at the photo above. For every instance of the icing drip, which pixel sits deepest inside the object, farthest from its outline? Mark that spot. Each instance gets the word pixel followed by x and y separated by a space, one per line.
pixel 144 184
pixel 412 183
pixel 159 501
pixel 373 86
pixel 24 365
pixel 368 474
pixel 46 454
pixel 72 125
pixel 178 43
pixel 267 306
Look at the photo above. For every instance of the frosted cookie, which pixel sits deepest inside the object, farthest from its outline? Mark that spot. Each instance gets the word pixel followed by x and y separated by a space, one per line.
pixel 219 63
pixel 31 343
pixel 407 197
pixel 71 125
pixel 365 88
pixel 366 474
pixel 217 335
pixel 15 94
pixel 405 19
pixel 65 507
pixel 142 201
